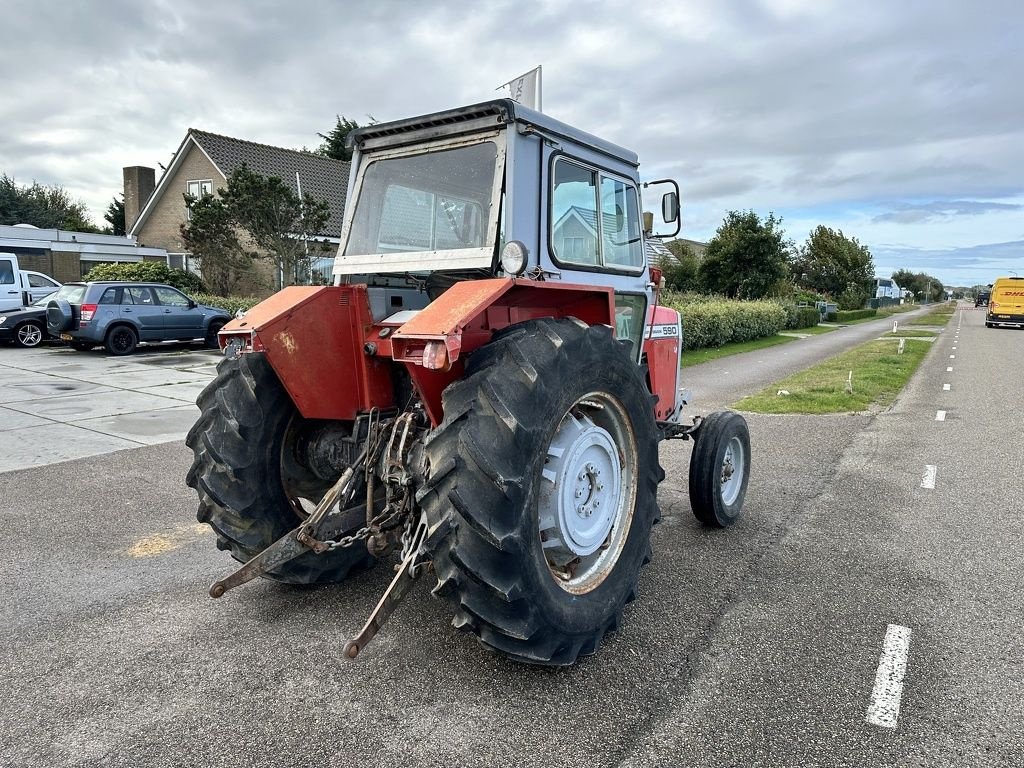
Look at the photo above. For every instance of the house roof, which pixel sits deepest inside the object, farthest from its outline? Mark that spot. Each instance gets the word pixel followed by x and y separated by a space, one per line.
pixel 322 177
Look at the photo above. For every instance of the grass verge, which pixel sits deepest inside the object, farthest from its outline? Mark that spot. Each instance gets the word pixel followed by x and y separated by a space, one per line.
pixel 697 356
pixel 879 373
pixel 938 316
pixel 911 333
pixel 815 330
pixel 897 309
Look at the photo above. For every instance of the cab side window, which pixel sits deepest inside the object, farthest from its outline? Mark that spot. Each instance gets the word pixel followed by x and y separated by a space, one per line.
pixel 595 219
pixel 109 296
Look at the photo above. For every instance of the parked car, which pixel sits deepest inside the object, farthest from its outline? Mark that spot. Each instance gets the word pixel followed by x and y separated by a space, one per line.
pixel 26 326
pixel 119 315
pixel 20 287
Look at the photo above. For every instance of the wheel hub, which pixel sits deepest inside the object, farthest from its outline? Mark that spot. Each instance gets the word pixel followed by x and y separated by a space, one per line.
pixel 580 499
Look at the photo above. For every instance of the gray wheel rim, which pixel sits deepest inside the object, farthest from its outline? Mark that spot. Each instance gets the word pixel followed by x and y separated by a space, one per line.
pixel 29 335
pixel 588 491
pixel 732 471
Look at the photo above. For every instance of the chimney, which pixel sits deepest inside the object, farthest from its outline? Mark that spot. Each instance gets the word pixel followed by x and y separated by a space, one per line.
pixel 139 183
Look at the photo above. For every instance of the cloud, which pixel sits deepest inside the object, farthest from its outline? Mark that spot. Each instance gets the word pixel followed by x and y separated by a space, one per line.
pixel 914 213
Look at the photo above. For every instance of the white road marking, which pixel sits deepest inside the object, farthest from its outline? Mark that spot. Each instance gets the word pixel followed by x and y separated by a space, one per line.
pixel 940 415
pixel 884 708
pixel 945 387
pixel 952 357
pixel 954 349
pixel 949 369
pixel 928 481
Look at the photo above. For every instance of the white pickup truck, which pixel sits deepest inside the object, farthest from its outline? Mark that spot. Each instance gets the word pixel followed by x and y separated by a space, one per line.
pixel 20 287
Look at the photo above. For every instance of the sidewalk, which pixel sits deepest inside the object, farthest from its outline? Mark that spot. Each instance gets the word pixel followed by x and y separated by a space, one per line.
pixel 59 404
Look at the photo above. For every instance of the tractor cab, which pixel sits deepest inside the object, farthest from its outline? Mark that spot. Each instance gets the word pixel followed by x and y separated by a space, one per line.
pixel 495 190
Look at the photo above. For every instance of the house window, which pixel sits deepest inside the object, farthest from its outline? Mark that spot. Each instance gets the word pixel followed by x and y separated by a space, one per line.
pixel 197 189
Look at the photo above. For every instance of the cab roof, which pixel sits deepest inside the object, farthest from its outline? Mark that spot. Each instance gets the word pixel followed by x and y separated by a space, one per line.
pixel 476 117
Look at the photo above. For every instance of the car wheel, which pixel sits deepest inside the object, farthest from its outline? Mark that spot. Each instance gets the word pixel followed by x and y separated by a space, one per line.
pixel 121 340
pixel 29 334
pixel 211 335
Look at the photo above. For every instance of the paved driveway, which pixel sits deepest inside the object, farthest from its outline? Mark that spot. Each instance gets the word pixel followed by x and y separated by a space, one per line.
pixel 59 404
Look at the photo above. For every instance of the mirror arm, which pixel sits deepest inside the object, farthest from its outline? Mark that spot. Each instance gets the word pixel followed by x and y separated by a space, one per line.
pixel 679 216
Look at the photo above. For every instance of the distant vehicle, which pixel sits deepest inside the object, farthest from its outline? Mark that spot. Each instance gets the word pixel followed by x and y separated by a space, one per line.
pixel 1006 307
pixel 982 299
pixel 20 287
pixel 26 327
pixel 119 315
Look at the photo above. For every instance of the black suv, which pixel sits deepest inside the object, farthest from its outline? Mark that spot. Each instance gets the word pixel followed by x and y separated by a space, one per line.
pixel 119 315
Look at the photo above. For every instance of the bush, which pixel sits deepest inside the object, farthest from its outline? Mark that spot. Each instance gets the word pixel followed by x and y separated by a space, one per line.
pixel 807 317
pixel 854 314
pixel 147 272
pixel 231 303
pixel 710 321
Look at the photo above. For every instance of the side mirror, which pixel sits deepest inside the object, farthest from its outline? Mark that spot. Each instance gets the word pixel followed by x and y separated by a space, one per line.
pixel 192 304
pixel 670 207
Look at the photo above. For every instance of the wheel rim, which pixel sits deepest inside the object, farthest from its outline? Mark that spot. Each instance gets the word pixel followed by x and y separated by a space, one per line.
pixel 122 340
pixel 733 470
pixel 588 491
pixel 29 335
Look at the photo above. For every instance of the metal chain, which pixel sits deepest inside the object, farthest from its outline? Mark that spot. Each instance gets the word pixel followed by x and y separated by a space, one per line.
pixel 380 521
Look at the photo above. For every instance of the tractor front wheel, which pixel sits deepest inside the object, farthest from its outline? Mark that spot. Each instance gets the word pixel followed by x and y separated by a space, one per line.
pixel 544 474
pixel 250 480
pixel 720 469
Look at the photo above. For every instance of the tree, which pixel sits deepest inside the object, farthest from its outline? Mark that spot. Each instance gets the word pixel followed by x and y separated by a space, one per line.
pixel 681 269
pixel 333 144
pixel 922 285
pixel 836 265
pixel 256 217
pixel 115 216
pixel 47 207
pixel 210 236
pixel 282 226
pixel 747 257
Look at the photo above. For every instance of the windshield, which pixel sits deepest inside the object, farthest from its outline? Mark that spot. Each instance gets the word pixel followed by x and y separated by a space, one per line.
pixel 441 202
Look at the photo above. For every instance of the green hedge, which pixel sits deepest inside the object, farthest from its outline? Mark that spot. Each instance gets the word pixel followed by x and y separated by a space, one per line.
pixel 844 316
pixel 231 303
pixel 711 321
pixel 147 272
pixel 807 317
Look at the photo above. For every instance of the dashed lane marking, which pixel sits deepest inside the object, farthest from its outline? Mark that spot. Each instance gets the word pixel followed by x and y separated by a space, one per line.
pixel 940 415
pixel 949 369
pixel 945 387
pixel 930 471
pixel 884 708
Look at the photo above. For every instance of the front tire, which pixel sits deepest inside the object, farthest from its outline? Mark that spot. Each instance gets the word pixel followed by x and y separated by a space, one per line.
pixel 244 474
pixel 551 419
pixel 29 335
pixel 211 335
pixel 720 469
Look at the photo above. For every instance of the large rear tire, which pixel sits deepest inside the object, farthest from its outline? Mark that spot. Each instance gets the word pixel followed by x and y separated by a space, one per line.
pixel 544 475
pixel 246 473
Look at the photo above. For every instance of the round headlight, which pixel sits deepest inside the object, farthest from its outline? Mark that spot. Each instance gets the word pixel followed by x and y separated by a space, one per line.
pixel 513 257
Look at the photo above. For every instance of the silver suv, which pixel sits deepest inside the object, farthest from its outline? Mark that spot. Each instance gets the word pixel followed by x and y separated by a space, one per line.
pixel 119 315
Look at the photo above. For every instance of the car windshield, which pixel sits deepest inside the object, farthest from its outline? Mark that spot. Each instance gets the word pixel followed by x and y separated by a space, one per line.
pixel 434 202
pixel 45 300
pixel 72 294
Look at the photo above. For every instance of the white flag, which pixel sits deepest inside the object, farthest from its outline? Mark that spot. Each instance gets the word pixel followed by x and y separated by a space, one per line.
pixel 526 89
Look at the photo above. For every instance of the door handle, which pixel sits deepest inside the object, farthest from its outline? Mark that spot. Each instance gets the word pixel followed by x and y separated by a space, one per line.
pixel 167 311
pixel 126 309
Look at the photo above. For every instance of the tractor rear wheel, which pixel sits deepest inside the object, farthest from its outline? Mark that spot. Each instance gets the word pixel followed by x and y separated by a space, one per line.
pixel 544 475
pixel 249 479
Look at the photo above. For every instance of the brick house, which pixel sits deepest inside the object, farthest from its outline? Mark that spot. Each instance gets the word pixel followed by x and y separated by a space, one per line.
pixel 154 211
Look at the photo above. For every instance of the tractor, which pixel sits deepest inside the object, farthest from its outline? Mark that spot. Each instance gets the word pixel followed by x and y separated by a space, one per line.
pixel 482 391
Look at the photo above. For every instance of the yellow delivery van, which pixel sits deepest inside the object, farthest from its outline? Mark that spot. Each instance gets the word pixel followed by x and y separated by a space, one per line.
pixel 1006 305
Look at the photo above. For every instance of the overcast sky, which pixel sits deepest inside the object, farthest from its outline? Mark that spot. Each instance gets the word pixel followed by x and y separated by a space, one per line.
pixel 902 123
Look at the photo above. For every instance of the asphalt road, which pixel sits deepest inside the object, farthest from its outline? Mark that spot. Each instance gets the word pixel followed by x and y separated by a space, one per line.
pixel 753 646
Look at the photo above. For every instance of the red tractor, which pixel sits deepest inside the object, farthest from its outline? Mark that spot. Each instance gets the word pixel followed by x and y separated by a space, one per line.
pixel 483 389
